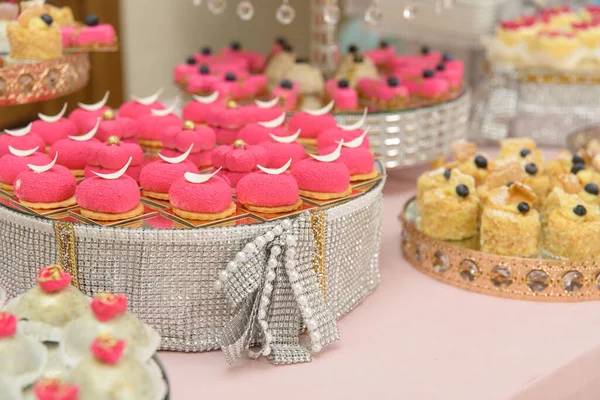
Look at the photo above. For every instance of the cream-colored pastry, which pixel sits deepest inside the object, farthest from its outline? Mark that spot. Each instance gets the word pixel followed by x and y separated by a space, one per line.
pixel 362 67
pixel 538 181
pixel 278 65
pixel 504 175
pixel 469 162
pixel 510 225
pixel 34 37
pixel 308 77
pixel 63 16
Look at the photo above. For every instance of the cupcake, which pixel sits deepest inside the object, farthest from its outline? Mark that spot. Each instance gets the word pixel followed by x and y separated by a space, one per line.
pixel 197 109
pixel 238 160
pixel 46 186
pixel 109 157
pixel 203 197
pixel 510 225
pixel 256 133
pixel 269 191
pixel 140 106
pixel 150 127
pixel 20 139
pixel 125 129
pixel 51 129
pixel 312 123
pixel 17 161
pixel 74 151
pixel 157 177
pixel 323 177
pixel 177 140
pixel 47 308
pixel 109 197
pixel 284 148
pixel 88 112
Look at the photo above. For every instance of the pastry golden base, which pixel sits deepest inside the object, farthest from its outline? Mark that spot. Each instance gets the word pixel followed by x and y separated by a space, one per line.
pixel 100 216
pixel 274 210
pixel 229 211
pixel 153 144
pixel 49 206
pixel 364 177
pixel 156 195
pixel 325 196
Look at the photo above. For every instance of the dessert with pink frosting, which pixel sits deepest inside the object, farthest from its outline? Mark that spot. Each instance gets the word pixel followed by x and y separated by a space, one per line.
pixel 231 88
pixel 288 94
pixel 358 159
pixel 151 127
pixel 238 160
pixel 181 72
pixel 453 76
pixel 15 162
pixel 197 109
pixel 53 128
pixel 110 156
pixel 111 124
pixel 227 119
pixel 138 107
pixel 429 87
pixel 179 140
pixel 255 61
pixel 44 187
pixel 92 35
pixel 157 177
pixel 381 55
pixel 202 81
pixel 284 148
pixel 88 111
pixel 311 124
pixel 332 137
pixel 204 56
pixel 269 191
pixel 20 139
pixel 345 97
pixel 387 94
pixel 259 132
pixel 73 152
pixel 205 197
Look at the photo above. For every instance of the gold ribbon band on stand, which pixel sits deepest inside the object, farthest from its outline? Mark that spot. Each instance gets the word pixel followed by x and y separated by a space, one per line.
pixel 318 224
pixel 67 250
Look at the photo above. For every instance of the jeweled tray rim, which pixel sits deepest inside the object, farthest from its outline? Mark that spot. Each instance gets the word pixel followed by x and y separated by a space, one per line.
pixel 427 255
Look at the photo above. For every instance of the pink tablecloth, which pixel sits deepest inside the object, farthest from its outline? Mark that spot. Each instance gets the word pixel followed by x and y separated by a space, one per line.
pixel 416 338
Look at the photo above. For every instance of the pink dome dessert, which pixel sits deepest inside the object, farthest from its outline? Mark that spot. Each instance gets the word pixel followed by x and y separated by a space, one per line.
pixel 238 160
pixel 256 85
pixel 196 111
pixel 311 125
pixel 331 138
pixel 202 80
pixel 322 180
pixel 79 116
pixel 228 115
pixel 150 127
pixel 109 199
pixel 201 200
pixel 433 87
pixel 205 56
pixel 177 141
pixel 366 88
pixel 345 98
pixel 266 193
pixel 256 133
pixel 21 142
pixel 11 165
pixel 359 161
pixel 54 188
pixel 52 129
pixel 139 107
pixel 74 151
pixel 280 153
pixel 111 125
pixel 157 177
pixel 109 157
pixel 181 72
pixel 288 93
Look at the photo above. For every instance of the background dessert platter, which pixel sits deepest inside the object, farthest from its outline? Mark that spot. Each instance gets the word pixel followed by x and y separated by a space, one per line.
pixel 543 77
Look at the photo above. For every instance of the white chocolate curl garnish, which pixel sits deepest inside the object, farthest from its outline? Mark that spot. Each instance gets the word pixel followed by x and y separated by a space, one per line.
pixel 331 156
pixel 356 125
pixel 22 153
pixel 211 98
pixel 87 136
pixel 147 100
pixel 357 142
pixel 178 159
pixel 321 111
pixel 278 171
pixel 199 178
pixel 286 139
pixel 53 118
pixel 267 104
pixel 95 106
pixel 115 175
pixel 274 123
pixel 43 168
pixel 19 132
pixel 165 112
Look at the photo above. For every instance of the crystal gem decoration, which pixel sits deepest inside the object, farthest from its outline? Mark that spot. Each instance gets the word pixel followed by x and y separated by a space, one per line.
pixel 331 13
pixel 468 270
pixel 572 281
pixel 217 6
pixel 537 280
pixel 245 10
pixel 501 276
pixel 410 11
pixel 441 262
pixel 285 13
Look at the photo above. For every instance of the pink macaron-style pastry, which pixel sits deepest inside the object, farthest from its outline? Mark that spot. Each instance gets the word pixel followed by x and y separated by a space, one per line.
pixel 231 88
pixel 332 137
pixel 366 88
pixel 284 148
pixel 197 109
pixel 227 119
pixel 312 123
pixel 256 85
pixel 150 127
pixel 432 58
pixel 433 87
pixel 177 140
pixel 453 77
pixel 109 197
pixel 202 81
pixel 94 34
pixel 323 177
pixel 88 111
pixel 391 94
pixel 203 197
pixel 345 98
pixel 264 111
pixel 288 94
pixel 259 132
pixel 238 160
pixel 269 191
pixel 20 139
pixel 140 106
pixel 74 151
pixel 53 128
pixel 109 157
pixel 452 64
pixel 112 125
pixel 205 56
pixel 16 161
pixel 358 159
pixel 157 177
pixel 181 72
pixel 46 186
pixel 382 55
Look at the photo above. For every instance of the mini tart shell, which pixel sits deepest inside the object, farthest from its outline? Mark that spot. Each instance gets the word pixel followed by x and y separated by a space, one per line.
pixel 363 177
pixel 156 195
pixel 153 144
pixel 229 211
pixel 325 196
pixel 49 206
pixel 274 210
pixel 100 216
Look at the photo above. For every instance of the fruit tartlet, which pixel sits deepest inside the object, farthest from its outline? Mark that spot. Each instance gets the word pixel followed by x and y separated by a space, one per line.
pixel 571 229
pixel 110 156
pixel 178 140
pixel 284 148
pixel 53 128
pixel 288 94
pixel 157 177
pixel 312 123
pixel 510 225
pixel 73 152
pixel 46 186
pixel 109 197
pixel 197 109
pixel 269 191
pixel 256 133
pixel 150 127
pixel 204 197
pixel 323 177
pixel 48 307
pixel 35 36
pixel 88 112
pixel 238 160
pixel 112 125
pixel 17 161
pixel 20 139
pixel 140 106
